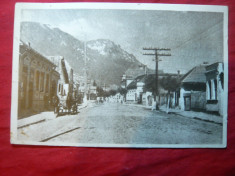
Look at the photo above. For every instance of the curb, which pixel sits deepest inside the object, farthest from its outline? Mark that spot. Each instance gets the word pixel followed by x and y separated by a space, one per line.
pixel 196 118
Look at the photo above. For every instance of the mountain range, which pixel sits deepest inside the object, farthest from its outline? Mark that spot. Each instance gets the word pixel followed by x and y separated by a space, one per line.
pixel 105 61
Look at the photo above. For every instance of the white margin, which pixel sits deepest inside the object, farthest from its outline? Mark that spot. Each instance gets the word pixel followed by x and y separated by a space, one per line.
pixel 123 6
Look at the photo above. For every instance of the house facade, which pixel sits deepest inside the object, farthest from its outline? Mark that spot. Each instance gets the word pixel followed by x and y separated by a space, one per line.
pixel 38 80
pixel 192 93
pixel 131 95
pixel 135 89
pixel 89 88
pixel 117 98
pixel 215 87
pixel 65 83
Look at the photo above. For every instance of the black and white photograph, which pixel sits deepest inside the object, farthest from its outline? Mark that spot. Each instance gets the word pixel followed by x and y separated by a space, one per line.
pixel 120 75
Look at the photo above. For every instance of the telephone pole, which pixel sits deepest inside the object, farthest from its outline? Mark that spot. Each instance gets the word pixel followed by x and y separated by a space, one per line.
pixel 156 54
pixel 85 60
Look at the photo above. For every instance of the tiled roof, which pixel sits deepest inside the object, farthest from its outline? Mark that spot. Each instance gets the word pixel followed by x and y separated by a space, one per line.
pixel 196 75
pixel 24 47
pixel 133 84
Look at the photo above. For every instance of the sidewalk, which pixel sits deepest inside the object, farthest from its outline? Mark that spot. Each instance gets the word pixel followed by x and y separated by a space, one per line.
pixel 195 115
pixel 43 116
pixel 190 114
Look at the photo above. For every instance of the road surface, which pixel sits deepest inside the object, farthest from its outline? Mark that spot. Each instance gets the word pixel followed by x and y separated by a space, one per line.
pixel 123 124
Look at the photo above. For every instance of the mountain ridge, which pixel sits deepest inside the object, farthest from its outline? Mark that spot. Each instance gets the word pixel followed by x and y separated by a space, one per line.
pixel 106 60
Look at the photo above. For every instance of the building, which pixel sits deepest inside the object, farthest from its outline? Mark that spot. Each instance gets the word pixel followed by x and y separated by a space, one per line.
pixel 90 88
pixel 67 87
pixel 135 72
pixel 105 87
pixel 215 87
pixel 192 93
pixel 135 89
pixel 117 98
pixel 126 80
pixel 38 80
pixel 92 92
pixel 142 87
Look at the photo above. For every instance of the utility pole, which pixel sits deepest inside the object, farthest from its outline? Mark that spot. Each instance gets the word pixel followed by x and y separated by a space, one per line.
pixel 85 59
pixel 156 54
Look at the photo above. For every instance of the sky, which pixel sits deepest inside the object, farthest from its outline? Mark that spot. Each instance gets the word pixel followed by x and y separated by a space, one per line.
pixel 193 37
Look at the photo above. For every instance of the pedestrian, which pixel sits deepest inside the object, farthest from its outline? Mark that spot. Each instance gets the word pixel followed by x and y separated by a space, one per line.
pixel 55 102
pixel 69 102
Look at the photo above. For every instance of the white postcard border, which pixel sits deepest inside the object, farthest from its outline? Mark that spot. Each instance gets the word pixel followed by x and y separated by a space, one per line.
pixel 123 6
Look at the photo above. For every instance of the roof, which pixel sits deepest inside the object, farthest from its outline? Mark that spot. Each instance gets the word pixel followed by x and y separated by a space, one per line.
pixel 213 67
pixel 24 48
pixel 196 75
pixel 64 73
pixel 133 84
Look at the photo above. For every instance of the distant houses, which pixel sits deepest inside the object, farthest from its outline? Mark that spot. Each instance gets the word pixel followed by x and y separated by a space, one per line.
pixel 133 81
pixel 140 89
pixel 200 89
pixel 135 89
pixel 89 88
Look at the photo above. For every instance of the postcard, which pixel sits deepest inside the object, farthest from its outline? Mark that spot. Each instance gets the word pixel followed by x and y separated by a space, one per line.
pixel 120 75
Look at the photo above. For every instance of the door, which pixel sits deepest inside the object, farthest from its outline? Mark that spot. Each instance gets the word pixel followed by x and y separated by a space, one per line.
pixel 187 103
pixel 30 98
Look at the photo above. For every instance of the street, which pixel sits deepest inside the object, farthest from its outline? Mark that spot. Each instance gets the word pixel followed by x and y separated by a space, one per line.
pixel 122 124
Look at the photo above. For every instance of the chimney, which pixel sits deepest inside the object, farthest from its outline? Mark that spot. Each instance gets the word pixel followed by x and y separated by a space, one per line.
pixel 178 72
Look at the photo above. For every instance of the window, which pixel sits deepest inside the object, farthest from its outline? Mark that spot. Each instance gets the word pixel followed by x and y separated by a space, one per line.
pixel 42 82
pixel 209 90
pixel 47 83
pixel 215 84
pixel 37 80
pixel 59 88
pixel 221 78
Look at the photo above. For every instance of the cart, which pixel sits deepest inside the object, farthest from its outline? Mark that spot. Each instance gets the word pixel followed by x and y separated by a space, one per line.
pixel 67 105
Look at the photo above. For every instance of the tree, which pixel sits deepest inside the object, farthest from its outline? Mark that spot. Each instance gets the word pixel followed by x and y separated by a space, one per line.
pixel 94 83
pixel 112 92
pixel 122 91
pixel 149 83
pixel 100 91
pixel 170 84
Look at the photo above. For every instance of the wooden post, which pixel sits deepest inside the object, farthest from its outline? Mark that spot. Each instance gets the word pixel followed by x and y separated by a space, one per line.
pixel 156 54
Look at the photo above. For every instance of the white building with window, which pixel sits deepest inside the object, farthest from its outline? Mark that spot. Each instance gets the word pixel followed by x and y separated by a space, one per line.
pixel 131 95
pixel 215 87
pixel 192 94
pixel 135 89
